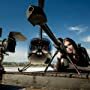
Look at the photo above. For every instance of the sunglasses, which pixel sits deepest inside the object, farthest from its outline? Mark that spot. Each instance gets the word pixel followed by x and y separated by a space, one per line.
pixel 67 45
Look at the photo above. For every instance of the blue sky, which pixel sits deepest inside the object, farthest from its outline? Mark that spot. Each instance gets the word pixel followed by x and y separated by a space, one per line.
pixel 66 18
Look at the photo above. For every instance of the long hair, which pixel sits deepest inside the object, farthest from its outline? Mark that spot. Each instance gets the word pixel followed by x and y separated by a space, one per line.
pixel 72 42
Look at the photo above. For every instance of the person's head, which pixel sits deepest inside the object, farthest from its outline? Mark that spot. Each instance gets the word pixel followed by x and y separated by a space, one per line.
pixel 70 45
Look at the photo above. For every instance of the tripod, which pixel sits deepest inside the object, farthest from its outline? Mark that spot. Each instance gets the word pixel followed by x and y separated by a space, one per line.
pixel 59 50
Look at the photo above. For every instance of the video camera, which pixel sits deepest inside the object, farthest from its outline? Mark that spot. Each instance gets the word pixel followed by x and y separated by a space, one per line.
pixel 9 44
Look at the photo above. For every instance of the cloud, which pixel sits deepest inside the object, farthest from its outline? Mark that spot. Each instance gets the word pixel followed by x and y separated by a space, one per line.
pixel 88 50
pixel 86 39
pixel 44 34
pixel 19 56
pixel 79 28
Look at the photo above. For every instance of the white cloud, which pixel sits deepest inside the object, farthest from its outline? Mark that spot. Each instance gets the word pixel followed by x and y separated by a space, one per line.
pixel 44 34
pixel 20 55
pixel 88 50
pixel 79 28
pixel 86 39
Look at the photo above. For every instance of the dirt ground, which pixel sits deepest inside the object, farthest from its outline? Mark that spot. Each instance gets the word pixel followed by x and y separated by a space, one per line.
pixel 44 82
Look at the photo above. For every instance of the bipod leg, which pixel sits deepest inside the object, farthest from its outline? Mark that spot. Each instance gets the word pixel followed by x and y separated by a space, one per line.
pixel 50 61
pixel 24 68
pixel 75 67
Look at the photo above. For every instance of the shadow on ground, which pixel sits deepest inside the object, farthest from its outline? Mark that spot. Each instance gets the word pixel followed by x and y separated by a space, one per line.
pixel 10 87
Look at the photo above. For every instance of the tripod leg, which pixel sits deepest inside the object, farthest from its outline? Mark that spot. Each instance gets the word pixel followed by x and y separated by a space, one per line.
pixel 50 61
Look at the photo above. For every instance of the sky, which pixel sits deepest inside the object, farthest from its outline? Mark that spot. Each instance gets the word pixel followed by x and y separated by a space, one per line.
pixel 66 18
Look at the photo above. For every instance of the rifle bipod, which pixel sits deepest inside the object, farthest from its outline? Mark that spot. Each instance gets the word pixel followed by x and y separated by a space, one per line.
pixel 24 68
pixel 75 67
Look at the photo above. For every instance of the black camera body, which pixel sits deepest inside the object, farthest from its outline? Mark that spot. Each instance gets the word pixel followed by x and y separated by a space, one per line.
pixel 0 31
pixel 9 44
